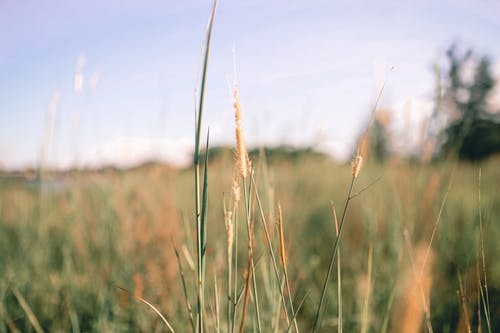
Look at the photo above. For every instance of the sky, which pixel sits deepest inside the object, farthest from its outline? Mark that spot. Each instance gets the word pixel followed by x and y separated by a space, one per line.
pixel 87 83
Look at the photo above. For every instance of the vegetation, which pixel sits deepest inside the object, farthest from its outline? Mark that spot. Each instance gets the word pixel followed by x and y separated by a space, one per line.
pixel 473 129
pixel 256 247
pixel 66 251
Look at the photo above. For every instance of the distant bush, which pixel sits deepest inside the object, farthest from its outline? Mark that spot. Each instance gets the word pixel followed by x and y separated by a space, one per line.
pixel 276 153
pixel 473 129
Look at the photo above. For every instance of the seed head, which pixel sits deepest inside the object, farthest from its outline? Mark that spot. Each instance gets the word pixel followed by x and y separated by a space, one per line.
pixel 236 192
pixel 241 149
pixel 356 165
pixel 229 232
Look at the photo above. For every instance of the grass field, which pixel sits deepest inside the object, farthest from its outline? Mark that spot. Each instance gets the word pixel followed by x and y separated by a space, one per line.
pixel 279 242
pixel 65 249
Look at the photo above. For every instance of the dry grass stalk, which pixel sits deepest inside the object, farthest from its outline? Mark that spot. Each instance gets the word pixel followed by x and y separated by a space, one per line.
pixel 151 306
pixel 463 301
pixel 243 161
pixel 365 290
pixel 478 300
pixel 188 257
pixel 138 285
pixel 415 286
pixel 282 238
pixel 216 296
pixel 229 233
pixel 283 263
pixel 12 327
pixel 248 278
pixel 27 310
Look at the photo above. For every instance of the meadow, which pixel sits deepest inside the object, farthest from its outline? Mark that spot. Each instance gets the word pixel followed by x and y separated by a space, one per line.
pixel 66 251
pixel 278 240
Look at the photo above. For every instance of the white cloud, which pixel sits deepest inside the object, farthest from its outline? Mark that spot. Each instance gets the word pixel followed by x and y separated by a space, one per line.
pixel 339 150
pixel 408 120
pixel 494 97
pixel 130 151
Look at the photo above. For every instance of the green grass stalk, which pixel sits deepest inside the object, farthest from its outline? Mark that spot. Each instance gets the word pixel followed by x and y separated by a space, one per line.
pixel 365 319
pixel 339 276
pixel 235 276
pixel 284 265
pixel 250 229
pixel 332 257
pixel 198 208
pixel 184 289
pixel 270 247
pixel 355 172
pixel 486 300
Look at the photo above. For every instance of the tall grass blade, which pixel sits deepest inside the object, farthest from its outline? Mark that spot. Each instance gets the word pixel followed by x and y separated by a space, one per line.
pixel 216 295
pixel 283 263
pixel 204 205
pixel 418 278
pixel 365 319
pixel 198 121
pixel 296 312
pixel 250 229
pixel 184 289
pixel 339 275
pixel 270 247
pixel 438 220
pixel 151 306
pixel 26 308
pixel 332 257
pixel 355 172
pixel 385 322
pixel 486 300
pixel 247 290
pixel 463 302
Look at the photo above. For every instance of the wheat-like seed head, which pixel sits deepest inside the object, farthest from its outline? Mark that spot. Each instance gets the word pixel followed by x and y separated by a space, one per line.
pixel 241 149
pixel 236 192
pixel 356 165
pixel 229 232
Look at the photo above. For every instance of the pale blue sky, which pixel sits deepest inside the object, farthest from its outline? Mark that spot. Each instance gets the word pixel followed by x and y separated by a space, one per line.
pixel 307 71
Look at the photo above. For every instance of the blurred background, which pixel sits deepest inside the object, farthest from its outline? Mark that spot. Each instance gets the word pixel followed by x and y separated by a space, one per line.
pixel 94 83
pixel 97 106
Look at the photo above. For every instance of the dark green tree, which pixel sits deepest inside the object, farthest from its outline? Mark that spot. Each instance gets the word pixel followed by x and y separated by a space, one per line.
pixel 378 140
pixel 473 131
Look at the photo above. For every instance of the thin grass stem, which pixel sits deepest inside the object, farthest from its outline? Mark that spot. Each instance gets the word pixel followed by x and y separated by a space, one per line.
pixel 481 235
pixel 250 229
pixel 339 275
pixel 184 289
pixel 332 256
pixel 270 247
pixel 196 157
pixel 26 308
pixel 151 306
pixel 284 264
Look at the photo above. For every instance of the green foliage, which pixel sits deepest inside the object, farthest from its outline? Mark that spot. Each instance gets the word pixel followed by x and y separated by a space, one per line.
pixel 378 141
pixel 66 251
pixel 473 134
pixel 272 154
